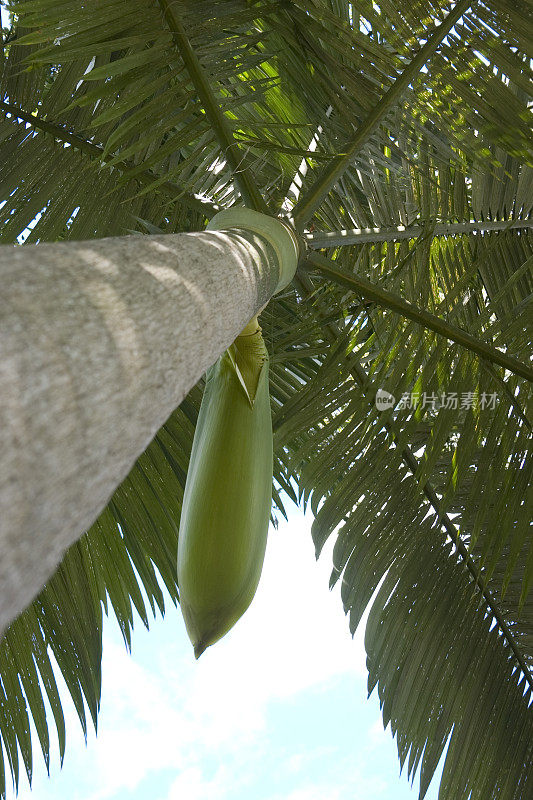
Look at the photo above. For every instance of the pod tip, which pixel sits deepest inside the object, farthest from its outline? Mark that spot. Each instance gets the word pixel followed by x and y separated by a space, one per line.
pixel 199 649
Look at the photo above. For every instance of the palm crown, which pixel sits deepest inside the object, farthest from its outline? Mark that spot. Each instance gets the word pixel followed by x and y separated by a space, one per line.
pixel 397 141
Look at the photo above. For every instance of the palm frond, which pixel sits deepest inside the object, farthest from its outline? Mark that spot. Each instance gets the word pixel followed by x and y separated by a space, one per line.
pixel 352 467
pixel 430 506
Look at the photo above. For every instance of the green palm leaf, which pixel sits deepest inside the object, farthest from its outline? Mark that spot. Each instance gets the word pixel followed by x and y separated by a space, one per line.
pixel 402 150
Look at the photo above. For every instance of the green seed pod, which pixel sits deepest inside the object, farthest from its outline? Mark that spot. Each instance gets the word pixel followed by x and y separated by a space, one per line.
pixel 228 493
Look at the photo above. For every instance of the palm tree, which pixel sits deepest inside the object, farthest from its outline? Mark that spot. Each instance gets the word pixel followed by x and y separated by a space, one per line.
pixel 396 143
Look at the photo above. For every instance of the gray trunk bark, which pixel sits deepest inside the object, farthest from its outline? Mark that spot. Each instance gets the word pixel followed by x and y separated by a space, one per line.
pixel 99 342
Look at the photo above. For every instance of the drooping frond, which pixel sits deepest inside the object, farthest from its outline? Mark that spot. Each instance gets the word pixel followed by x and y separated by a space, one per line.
pixel 356 465
pixel 399 140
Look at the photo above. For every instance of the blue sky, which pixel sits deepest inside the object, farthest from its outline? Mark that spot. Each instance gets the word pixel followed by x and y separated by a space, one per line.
pixel 277 710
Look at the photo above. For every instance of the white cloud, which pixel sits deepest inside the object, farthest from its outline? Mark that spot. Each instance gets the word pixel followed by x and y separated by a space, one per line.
pixel 144 730
pixel 376 731
pixel 314 793
pixel 299 762
pixel 191 784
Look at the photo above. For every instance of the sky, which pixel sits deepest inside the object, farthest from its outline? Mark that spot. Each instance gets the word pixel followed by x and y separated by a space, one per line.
pixel 276 710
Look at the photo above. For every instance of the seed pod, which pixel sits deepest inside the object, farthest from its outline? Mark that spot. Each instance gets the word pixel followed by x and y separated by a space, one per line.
pixel 228 493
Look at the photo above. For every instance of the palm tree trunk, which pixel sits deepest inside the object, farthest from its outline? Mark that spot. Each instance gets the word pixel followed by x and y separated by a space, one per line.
pixel 100 341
